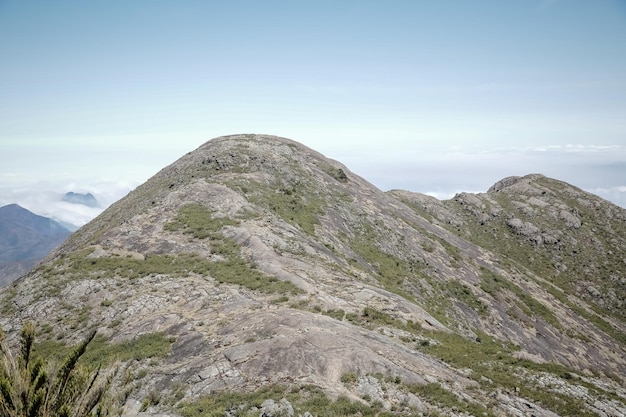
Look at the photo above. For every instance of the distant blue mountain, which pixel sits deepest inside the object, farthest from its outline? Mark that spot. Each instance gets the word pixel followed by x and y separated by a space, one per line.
pixel 88 199
pixel 25 239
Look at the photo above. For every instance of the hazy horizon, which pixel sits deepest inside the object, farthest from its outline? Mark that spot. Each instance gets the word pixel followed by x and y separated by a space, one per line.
pixel 431 97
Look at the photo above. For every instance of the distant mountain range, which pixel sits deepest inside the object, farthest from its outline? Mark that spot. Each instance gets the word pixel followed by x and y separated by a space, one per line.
pixel 25 239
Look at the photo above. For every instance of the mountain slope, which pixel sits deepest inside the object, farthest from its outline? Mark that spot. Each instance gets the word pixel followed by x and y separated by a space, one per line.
pixel 25 239
pixel 273 266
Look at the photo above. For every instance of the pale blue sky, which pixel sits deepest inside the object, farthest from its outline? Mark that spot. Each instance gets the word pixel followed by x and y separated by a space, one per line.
pixel 432 96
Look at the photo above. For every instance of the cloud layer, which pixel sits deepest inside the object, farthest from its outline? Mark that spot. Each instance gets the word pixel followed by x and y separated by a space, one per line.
pixel 599 169
pixel 45 198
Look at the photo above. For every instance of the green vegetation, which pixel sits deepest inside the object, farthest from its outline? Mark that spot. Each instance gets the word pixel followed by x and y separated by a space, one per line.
pixel 279 300
pixel 493 284
pixel 232 269
pixel 491 361
pixel 390 271
pixel 419 210
pixel 337 314
pixel 79 265
pixel 7 307
pixel 149 345
pixel 349 378
pixel 453 251
pixel 434 393
pixel 192 219
pixel 587 250
pixel 237 271
pixel 153 398
pixel 464 353
pixel 336 173
pixel 290 196
pixel 197 220
pixel 406 277
pixel 493 365
pixel 294 204
pixel 302 398
pixel 591 317
pixel 464 294
pixel 28 388
pixel 371 318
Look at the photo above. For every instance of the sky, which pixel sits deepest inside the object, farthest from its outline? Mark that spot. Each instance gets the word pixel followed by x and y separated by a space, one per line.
pixel 431 96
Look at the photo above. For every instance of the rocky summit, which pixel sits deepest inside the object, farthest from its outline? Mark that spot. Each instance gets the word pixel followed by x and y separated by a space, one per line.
pixel 256 277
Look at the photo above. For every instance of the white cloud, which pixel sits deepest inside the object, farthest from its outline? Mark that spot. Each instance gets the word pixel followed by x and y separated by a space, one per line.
pixel 591 148
pixel 107 167
pixel 442 173
pixel 616 195
pixel 45 198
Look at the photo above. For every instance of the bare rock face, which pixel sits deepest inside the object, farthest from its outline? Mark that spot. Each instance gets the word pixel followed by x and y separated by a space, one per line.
pixel 266 268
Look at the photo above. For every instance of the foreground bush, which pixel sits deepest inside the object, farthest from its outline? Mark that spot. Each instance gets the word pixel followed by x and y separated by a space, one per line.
pixel 30 387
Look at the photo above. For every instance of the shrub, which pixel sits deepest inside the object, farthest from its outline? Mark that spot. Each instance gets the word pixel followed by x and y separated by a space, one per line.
pixel 28 389
pixel 149 345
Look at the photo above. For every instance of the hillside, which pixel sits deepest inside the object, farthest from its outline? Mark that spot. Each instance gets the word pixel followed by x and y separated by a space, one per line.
pixel 25 239
pixel 256 275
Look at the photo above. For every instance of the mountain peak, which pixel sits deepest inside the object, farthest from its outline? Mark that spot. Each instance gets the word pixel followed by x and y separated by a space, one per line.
pixel 247 153
pixel 87 199
pixel 274 266
pixel 24 218
pixel 13 210
pixel 513 180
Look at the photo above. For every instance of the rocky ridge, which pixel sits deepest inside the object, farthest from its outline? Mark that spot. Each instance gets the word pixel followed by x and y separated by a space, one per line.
pixel 273 266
